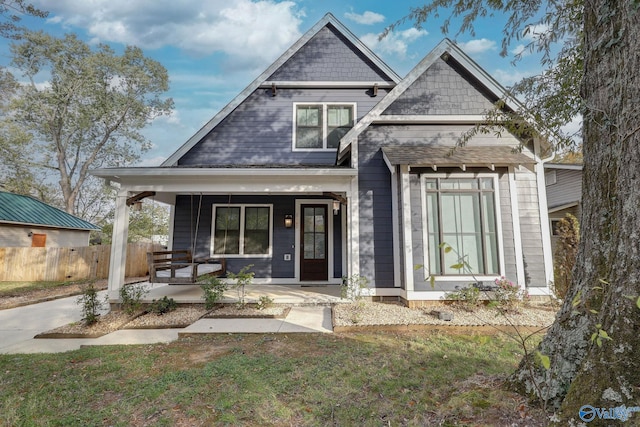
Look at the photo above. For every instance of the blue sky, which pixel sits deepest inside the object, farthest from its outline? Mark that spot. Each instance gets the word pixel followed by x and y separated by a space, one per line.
pixel 213 49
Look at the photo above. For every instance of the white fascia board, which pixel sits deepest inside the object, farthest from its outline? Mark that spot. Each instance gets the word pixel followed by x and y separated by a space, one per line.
pixel 431 119
pixel 562 166
pixel 118 174
pixel 387 162
pixel 325 85
pixel 242 96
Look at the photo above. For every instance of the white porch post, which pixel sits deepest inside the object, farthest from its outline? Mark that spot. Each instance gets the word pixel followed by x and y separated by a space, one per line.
pixel 118 258
pixel 407 231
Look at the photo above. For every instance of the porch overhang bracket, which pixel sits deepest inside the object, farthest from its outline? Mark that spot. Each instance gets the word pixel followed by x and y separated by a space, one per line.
pixel 133 199
pixel 335 196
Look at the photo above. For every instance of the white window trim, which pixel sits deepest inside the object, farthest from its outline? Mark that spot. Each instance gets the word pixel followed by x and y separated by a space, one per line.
pixel 242 207
pixel 425 234
pixel 324 105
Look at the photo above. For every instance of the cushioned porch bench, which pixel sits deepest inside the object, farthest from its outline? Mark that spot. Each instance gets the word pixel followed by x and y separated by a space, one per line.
pixel 179 267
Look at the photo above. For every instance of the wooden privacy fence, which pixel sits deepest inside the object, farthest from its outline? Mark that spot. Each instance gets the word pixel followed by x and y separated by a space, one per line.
pixel 62 264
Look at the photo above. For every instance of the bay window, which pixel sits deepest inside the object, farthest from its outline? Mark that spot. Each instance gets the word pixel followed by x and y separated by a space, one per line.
pixel 461 226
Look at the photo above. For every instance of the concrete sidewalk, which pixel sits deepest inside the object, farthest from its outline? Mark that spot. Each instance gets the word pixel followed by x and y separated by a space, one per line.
pixel 19 325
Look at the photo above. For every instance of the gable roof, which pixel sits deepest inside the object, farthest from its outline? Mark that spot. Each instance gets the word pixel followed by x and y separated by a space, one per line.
pixel 328 19
pixel 445 49
pixel 25 210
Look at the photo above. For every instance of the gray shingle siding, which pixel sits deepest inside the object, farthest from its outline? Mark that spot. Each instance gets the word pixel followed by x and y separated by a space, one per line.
pixel 441 90
pixel 259 131
pixel 328 56
pixel 375 197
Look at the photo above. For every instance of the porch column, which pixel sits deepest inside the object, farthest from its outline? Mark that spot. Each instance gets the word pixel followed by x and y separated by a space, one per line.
pixel 405 194
pixel 118 258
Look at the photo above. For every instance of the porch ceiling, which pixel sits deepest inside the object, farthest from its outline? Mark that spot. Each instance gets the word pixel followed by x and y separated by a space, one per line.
pixel 166 182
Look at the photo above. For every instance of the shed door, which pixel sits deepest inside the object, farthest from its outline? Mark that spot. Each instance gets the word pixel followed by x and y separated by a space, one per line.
pixel 314 264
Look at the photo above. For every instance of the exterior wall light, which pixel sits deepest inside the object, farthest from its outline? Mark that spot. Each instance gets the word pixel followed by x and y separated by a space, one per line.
pixel 288 221
pixel 336 207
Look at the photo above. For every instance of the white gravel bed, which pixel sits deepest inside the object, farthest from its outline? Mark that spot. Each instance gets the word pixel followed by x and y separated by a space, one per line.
pixel 228 310
pixel 106 324
pixel 374 313
pixel 178 318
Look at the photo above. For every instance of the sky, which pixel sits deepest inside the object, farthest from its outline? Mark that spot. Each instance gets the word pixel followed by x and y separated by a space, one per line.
pixel 213 49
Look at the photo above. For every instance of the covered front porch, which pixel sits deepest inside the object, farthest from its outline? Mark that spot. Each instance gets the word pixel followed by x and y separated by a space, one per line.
pixel 293 226
pixel 280 294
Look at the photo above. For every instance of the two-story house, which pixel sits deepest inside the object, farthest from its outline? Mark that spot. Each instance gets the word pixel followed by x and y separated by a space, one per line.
pixel 331 165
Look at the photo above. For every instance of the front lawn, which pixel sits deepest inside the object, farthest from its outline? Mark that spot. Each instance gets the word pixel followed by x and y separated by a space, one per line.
pixel 362 379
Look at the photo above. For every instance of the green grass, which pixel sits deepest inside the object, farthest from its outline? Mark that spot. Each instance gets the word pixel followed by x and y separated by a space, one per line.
pixel 8 289
pixel 367 379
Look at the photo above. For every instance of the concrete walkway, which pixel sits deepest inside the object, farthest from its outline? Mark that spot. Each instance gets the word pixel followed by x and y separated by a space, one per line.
pixel 19 325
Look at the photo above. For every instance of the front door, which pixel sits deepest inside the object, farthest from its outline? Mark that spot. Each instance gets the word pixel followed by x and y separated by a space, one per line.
pixel 314 264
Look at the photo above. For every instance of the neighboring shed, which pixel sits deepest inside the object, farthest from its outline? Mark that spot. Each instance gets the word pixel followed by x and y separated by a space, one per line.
pixel 25 221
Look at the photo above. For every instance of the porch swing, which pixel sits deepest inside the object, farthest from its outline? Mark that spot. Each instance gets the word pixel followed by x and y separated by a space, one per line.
pixel 181 267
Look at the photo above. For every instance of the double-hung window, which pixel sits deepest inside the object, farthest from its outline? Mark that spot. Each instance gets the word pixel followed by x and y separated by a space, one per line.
pixel 461 227
pixel 320 126
pixel 242 230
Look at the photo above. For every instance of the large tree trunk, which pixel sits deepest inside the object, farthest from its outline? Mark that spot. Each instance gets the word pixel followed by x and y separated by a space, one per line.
pixel 606 282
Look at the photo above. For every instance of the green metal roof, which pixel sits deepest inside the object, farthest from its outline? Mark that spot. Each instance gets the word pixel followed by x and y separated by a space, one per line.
pixel 18 209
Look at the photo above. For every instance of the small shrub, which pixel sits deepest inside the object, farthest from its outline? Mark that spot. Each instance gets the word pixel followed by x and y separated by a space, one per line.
pixel 508 295
pixel 242 278
pixel 163 306
pixel 352 287
pixel 264 302
pixel 131 297
pixel 90 305
pixel 467 297
pixel 214 289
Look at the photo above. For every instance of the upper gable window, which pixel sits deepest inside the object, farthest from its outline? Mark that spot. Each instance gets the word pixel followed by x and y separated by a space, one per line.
pixel 320 126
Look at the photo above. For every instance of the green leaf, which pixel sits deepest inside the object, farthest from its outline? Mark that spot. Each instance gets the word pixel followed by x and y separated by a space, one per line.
pixel 603 334
pixel 599 342
pixel 457 266
pixel 544 360
pixel 418 266
pixel 594 336
pixel 577 299
pixel 638 302
pixel 604 282
pixel 593 311
pixel 448 249
pixel 597 288
pixel 432 281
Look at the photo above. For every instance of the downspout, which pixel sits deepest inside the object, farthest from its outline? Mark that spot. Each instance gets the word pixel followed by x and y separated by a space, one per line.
pixel 544 213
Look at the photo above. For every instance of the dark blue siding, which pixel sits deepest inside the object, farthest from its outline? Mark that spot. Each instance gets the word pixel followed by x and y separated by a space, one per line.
pixel 186 213
pixel 259 131
pixel 376 233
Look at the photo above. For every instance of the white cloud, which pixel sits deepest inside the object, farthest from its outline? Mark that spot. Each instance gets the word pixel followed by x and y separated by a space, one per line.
pixel 535 32
pixel 395 43
pixel 510 76
pixel 367 18
pixel 250 32
pixel 477 46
